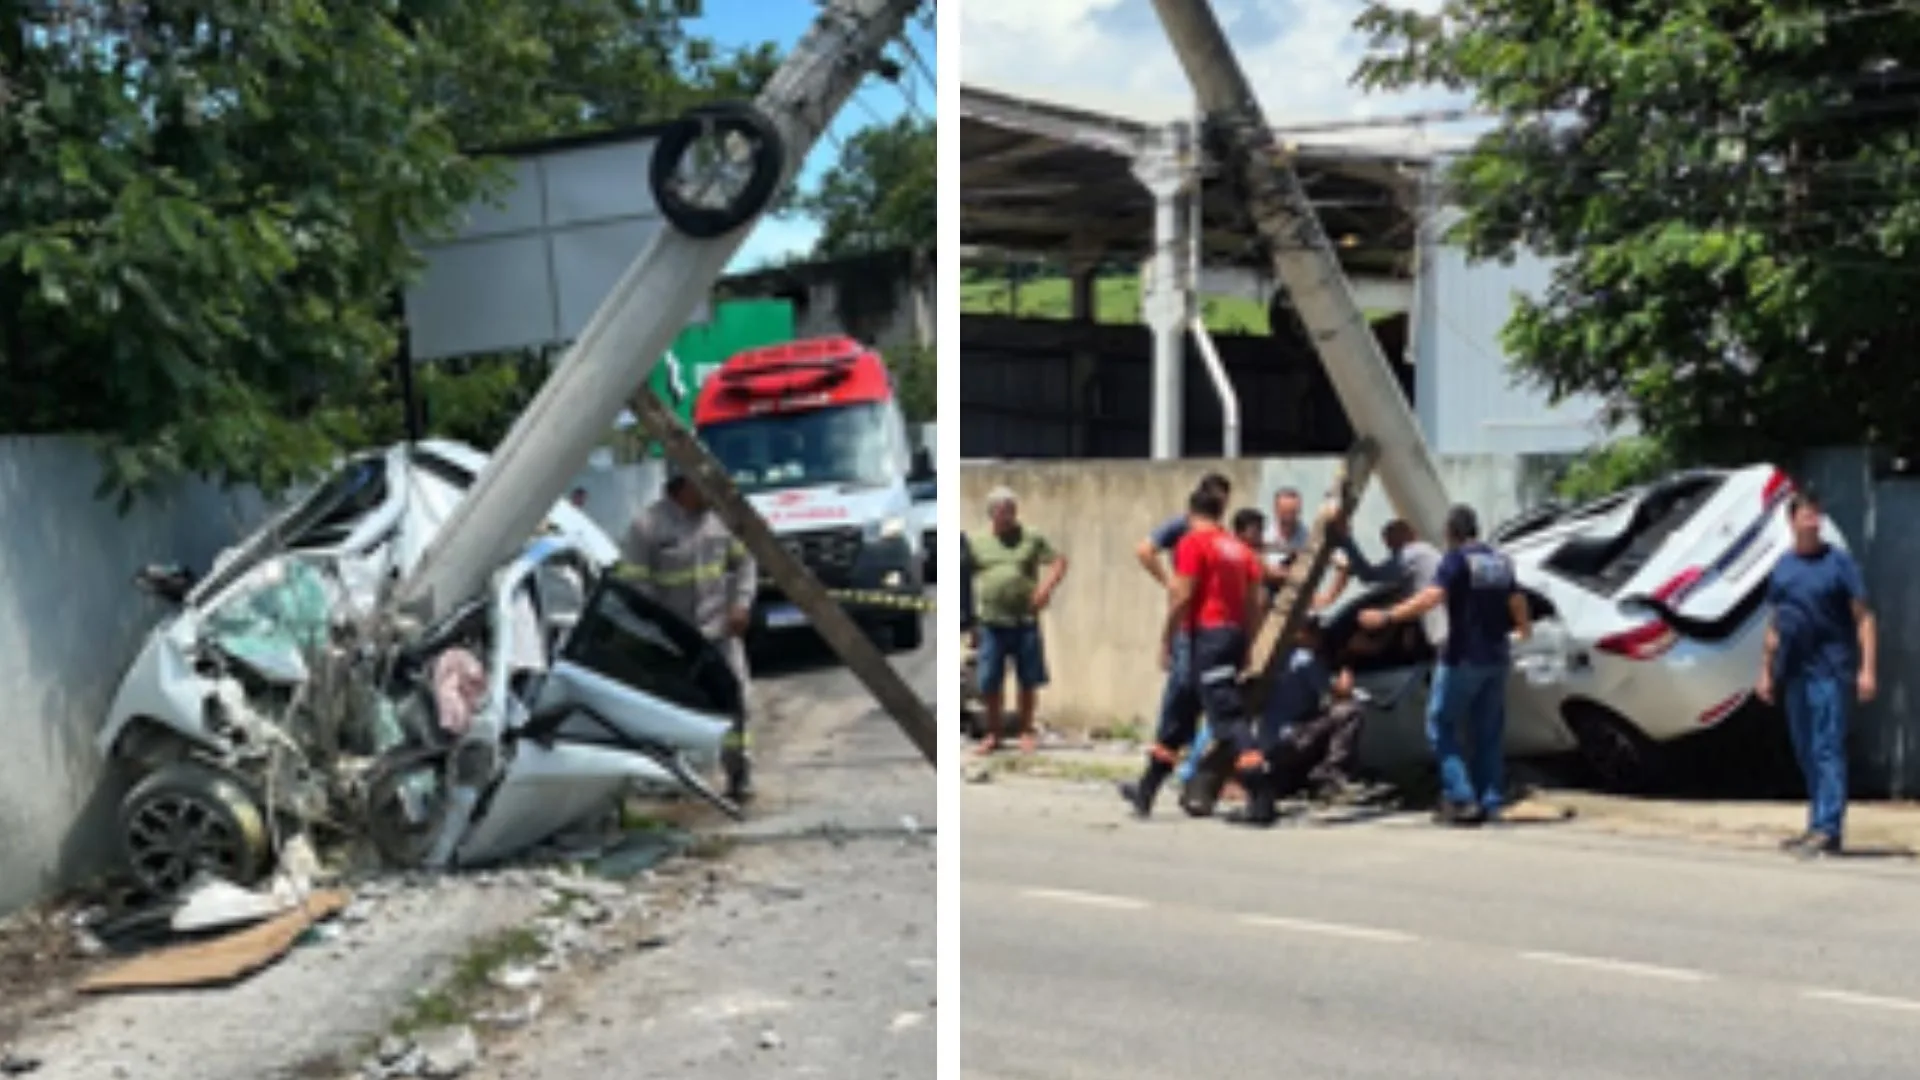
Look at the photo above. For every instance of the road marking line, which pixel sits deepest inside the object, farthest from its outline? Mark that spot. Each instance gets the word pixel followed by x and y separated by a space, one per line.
pixel 1071 896
pixel 1618 967
pixel 1844 997
pixel 1307 926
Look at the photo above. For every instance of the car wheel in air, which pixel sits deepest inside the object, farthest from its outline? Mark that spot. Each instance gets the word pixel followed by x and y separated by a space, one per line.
pixel 716 168
pixel 1617 755
pixel 185 819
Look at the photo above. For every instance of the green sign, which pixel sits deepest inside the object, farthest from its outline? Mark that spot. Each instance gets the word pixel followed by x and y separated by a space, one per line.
pixel 737 325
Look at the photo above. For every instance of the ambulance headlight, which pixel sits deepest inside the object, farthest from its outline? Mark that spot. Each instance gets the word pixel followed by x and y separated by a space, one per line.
pixel 887 528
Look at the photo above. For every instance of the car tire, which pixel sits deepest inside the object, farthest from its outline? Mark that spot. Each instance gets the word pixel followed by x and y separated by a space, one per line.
pixel 1617 756
pixel 185 818
pixel 397 844
pixel 910 634
pixel 769 162
pixel 883 633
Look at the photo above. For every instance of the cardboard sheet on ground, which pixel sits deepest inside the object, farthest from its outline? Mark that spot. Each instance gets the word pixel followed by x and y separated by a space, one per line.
pixel 222 960
pixel 1535 811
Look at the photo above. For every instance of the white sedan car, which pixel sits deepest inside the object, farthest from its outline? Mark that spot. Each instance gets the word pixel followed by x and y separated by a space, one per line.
pixel 1649 615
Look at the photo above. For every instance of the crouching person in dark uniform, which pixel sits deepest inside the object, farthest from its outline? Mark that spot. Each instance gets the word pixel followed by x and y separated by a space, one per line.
pixel 1317 755
pixel 1214 599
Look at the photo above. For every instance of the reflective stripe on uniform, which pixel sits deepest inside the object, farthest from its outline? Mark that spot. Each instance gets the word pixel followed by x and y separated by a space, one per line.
pixel 692 575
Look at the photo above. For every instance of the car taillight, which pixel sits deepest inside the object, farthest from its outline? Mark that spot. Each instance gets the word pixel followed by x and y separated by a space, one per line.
pixel 1778 485
pixel 1647 641
pixel 1681 582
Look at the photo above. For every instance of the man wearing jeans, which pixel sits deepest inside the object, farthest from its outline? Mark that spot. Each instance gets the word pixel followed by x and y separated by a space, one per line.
pixel 1484 606
pixel 1819 656
pixel 1214 602
pixel 1161 541
pixel 1015 574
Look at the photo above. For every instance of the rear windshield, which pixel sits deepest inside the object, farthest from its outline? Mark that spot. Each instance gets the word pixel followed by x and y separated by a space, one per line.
pixel 1604 561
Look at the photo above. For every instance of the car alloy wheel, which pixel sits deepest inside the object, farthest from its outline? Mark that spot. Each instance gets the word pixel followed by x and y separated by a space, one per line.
pixel 186 819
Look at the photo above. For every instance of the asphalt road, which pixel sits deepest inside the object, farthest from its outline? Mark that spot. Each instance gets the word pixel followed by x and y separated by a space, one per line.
pixel 1094 946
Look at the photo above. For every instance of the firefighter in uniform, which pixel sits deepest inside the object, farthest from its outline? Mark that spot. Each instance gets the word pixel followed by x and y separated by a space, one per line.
pixel 682 556
pixel 1215 599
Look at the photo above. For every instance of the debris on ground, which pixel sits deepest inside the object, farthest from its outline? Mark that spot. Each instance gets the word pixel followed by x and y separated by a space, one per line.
pixel 447 1052
pixel 222 960
pixel 641 850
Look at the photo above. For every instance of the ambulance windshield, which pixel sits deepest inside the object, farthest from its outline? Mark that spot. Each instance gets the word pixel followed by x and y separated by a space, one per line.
pixel 838 444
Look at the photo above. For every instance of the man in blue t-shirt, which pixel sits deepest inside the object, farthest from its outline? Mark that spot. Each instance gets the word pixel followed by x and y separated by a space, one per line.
pixel 1484 607
pixel 1154 552
pixel 1819 656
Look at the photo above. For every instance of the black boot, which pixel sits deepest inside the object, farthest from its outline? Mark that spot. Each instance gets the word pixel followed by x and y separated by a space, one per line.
pixel 739 775
pixel 1262 808
pixel 1140 793
pixel 1210 774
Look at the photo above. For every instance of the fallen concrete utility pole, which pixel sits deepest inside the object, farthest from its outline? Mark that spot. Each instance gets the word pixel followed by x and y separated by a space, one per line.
pixel 796 581
pixel 1306 265
pixel 636 324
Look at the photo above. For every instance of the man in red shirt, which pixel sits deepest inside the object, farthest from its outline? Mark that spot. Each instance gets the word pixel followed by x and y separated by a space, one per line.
pixel 1214 602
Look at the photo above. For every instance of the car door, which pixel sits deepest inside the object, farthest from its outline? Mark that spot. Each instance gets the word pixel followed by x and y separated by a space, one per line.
pixel 1391 668
pixel 631 671
pixel 1549 667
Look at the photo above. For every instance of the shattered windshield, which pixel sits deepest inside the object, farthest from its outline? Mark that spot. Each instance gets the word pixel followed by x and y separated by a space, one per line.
pixel 843 444
pixel 279 616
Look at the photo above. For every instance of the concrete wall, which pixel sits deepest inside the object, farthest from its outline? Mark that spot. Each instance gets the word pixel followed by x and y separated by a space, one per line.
pixel 1103 626
pixel 885 299
pixel 616 492
pixel 70 621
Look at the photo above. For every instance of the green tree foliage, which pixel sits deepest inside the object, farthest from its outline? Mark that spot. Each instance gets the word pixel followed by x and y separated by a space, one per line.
pixel 1732 186
pixel 205 205
pixel 916 381
pixel 1618 465
pixel 880 195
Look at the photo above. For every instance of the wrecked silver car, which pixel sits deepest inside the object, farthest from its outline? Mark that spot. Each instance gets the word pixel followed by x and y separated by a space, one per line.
pixel 270 701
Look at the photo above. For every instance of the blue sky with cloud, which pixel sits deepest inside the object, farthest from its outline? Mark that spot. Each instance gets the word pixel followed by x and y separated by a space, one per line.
pixel 1112 56
pixel 740 23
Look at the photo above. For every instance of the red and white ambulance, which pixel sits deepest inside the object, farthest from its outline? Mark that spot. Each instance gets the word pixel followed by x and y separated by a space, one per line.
pixel 813 435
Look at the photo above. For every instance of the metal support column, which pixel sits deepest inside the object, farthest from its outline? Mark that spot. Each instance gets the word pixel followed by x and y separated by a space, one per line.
pixel 1083 284
pixel 1166 296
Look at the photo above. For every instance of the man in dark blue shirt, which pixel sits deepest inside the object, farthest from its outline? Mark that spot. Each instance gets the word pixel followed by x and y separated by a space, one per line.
pixel 1484 607
pixel 1819 656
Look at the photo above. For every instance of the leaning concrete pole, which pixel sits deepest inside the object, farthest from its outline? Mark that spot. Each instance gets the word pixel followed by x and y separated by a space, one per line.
pixel 648 306
pixel 825 614
pixel 1306 266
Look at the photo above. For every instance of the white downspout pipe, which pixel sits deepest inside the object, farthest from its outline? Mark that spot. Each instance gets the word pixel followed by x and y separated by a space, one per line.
pixel 1197 322
pixel 1229 401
